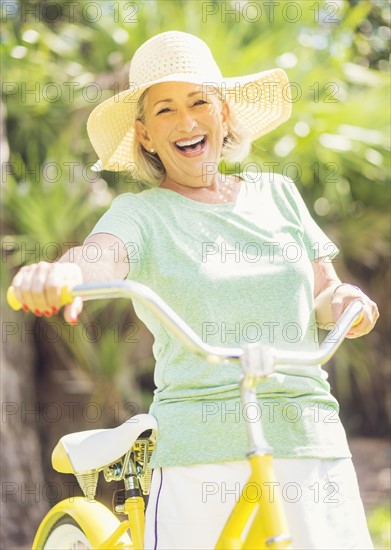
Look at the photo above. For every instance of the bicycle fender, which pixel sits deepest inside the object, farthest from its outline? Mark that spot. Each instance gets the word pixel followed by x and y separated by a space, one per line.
pixel 95 519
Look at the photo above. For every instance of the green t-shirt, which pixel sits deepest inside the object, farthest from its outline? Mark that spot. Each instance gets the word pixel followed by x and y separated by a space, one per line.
pixel 236 273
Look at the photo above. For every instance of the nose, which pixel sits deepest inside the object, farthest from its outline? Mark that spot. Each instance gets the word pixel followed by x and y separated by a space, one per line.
pixel 186 121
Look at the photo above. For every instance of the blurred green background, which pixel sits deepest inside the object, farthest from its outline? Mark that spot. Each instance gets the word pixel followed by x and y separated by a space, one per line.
pixel 59 60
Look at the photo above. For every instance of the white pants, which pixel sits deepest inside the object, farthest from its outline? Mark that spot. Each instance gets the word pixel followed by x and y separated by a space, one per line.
pixel 188 506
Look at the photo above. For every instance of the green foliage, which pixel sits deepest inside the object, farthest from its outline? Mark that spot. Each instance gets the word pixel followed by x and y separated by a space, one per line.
pixel 379 524
pixel 58 67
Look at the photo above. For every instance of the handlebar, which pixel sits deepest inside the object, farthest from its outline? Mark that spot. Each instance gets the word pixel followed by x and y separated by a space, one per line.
pixel 257 359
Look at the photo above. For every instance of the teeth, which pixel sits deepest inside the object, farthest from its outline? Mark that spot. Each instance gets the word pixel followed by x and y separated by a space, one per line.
pixel 186 143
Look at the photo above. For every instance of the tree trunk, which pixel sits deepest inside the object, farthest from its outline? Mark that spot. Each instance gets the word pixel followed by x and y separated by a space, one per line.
pixel 23 485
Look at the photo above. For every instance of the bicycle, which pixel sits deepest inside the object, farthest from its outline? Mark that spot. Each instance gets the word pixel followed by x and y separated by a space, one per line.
pixel 123 453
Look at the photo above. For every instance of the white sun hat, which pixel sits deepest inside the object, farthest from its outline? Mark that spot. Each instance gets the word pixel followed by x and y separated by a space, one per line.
pixel 260 101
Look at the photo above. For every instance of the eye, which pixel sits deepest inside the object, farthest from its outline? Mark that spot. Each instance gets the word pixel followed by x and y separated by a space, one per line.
pixel 200 102
pixel 164 110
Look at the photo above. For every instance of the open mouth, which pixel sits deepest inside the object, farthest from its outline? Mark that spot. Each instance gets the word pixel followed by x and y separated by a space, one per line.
pixel 191 147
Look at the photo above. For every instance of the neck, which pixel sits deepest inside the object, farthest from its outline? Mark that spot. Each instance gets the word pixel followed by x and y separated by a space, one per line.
pixel 207 183
pixel 218 189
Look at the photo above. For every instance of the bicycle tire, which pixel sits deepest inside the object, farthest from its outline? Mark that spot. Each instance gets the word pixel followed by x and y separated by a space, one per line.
pixel 66 534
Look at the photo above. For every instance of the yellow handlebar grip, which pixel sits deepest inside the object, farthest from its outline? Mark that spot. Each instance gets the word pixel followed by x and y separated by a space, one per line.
pixel 358 320
pixel 66 298
pixel 12 300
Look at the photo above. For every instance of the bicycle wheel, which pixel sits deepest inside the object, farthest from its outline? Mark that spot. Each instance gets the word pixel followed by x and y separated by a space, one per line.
pixel 66 534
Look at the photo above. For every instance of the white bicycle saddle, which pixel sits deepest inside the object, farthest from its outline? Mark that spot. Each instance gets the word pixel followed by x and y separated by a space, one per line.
pixel 81 452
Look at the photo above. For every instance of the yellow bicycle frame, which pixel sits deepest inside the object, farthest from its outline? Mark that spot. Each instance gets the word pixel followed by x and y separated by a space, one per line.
pixel 260 523
pixel 99 524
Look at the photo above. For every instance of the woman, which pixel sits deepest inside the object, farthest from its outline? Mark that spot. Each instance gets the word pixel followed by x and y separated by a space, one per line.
pixel 240 259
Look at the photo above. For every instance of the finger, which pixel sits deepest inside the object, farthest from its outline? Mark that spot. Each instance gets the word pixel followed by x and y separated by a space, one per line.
pixel 352 336
pixel 37 292
pixel 375 312
pixel 336 310
pixel 368 320
pixel 25 295
pixel 38 287
pixel 73 310
pixel 17 283
pixel 54 283
pixel 34 289
pixel 60 276
pixel 72 275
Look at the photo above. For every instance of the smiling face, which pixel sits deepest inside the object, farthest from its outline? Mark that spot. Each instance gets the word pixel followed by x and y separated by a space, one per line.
pixel 185 126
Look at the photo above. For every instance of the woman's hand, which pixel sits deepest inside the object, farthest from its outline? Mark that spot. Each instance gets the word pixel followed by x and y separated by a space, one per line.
pixel 38 288
pixel 332 297
pixel 342 296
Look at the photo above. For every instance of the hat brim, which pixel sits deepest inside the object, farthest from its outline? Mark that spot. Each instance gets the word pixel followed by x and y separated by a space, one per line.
pixel 260 101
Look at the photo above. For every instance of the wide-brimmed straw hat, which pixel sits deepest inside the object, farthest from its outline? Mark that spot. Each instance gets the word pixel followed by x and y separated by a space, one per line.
pixel 260 101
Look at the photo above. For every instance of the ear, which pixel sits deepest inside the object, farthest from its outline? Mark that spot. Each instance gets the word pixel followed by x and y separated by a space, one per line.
pixel 225 111
pixel 142 135
pixel 225 115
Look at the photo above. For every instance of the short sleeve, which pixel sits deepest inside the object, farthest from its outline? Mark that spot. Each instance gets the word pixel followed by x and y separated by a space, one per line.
pixel 126 221
pixel 315 240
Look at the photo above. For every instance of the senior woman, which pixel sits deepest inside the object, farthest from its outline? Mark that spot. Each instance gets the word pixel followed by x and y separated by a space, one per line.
pixel 232 255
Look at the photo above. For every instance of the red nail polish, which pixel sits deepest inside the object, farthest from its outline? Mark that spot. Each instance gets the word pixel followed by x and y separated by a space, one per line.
pixel 54 310
pixel 37 313
pixel 47 313
pixel 73 320
pixel 25 308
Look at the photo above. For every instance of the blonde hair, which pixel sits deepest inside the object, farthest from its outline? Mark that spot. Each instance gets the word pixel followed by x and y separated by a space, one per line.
pixel 151 172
